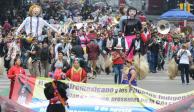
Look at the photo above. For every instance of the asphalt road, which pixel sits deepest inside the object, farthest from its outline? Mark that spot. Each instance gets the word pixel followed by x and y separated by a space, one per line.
pixel 158 82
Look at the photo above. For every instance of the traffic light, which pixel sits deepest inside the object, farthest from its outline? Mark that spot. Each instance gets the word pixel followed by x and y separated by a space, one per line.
pixel 185 6
pixel 188 7
pixel 181 6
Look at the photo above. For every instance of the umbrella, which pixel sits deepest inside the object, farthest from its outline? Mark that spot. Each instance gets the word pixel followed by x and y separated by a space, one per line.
pixel 177 14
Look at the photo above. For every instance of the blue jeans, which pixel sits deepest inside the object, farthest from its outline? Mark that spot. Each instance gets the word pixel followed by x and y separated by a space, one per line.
pixel 118 73
pixel 149 59
pixel 24 60
pixel 154 61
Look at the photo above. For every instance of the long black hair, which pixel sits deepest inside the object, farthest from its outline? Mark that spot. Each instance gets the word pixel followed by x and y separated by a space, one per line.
pixel 17 57
pixel 131 8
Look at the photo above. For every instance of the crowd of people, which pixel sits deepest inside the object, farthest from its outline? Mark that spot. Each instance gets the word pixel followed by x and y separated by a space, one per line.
pixel 93 47
pixel 79 49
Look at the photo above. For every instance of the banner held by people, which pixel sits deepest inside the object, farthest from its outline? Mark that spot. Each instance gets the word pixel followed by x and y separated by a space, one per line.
pixel 106 98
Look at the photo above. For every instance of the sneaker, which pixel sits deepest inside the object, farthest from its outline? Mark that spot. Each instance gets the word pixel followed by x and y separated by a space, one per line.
pixel 187 83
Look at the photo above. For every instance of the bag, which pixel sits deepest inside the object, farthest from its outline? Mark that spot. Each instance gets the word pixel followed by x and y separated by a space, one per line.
pixel 177 59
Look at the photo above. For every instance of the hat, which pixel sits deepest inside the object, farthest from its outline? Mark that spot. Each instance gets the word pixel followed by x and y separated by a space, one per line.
pixel 118 47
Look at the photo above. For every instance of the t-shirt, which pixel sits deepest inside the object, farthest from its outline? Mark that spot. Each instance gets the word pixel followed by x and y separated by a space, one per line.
pixel 184 59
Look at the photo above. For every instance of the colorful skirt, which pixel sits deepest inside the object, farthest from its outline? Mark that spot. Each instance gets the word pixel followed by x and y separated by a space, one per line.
pixel 134 83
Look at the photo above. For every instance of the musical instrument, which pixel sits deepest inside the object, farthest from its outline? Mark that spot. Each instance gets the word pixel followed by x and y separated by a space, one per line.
pixel 116 20
pixel 163 27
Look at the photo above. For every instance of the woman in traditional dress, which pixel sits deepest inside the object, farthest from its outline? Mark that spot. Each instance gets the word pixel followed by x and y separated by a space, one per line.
pixel 129 74
pixel 129 26
pixel 13 72
pixel 76 73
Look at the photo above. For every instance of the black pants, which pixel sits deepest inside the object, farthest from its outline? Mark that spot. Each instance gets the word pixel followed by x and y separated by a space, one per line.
pixel 184 71
pixel 55 108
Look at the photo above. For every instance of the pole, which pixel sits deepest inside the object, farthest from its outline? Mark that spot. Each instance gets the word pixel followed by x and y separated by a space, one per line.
pixel 185 23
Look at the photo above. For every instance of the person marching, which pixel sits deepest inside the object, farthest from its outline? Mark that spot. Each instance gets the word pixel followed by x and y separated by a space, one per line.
pixel 139 50
pixel 93 51
pixel 76 73
pixel 118 61
pixel 59 67
pixel 129 74
pixel 184 56
pixel 13 72
pixel 57 94
pixel 129 26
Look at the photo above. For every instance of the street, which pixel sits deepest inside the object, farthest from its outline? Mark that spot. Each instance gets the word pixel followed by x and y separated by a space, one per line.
pixel 158 82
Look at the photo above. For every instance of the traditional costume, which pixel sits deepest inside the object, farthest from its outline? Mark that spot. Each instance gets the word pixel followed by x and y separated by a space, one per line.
pixel 56 93
pixel 34 23
pixel 127 76
pixel 141 66
pixel 76 73
pixel 173 64
pixel 12 73
pixel 129 25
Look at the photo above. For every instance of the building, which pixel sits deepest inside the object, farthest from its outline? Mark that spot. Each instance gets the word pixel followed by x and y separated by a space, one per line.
pixel 155 7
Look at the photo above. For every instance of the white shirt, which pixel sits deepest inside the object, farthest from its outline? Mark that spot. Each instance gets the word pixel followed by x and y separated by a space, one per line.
pixel 120 43
pixel 41 24
pixel 184 59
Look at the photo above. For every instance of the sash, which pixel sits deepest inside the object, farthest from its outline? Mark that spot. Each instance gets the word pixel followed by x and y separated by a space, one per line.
pixel 64 103
pixel 73 70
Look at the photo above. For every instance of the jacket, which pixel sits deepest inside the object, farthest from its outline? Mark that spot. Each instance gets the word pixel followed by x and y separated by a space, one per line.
pixel 93 51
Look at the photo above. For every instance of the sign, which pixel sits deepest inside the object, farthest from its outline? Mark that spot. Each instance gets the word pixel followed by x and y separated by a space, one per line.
pixel 105 98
